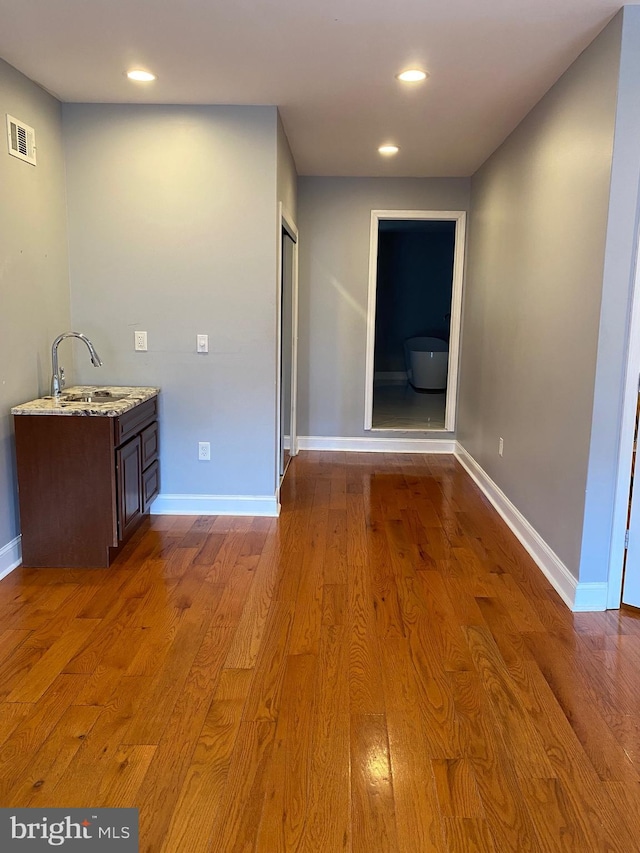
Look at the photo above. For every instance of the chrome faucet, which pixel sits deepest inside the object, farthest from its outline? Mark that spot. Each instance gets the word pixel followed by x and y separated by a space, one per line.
pixel 57 376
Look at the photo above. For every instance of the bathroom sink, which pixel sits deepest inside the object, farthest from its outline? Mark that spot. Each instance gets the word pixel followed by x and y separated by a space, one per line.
pixel 97 396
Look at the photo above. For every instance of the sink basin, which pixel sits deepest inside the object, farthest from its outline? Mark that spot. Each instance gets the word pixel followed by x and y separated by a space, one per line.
pixel 96 396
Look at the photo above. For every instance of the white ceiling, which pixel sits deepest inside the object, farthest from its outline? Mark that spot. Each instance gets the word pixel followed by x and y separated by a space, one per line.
pixel 329 65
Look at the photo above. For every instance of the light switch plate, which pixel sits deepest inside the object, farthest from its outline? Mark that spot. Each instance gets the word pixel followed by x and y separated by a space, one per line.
pixel 202 343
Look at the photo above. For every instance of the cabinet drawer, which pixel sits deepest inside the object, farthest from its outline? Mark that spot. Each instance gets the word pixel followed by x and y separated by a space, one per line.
pixel 149 438
pixel 135 420
pixel 150 484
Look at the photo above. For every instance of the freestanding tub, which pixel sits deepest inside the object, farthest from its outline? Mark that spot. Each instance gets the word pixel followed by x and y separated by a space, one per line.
pixel 427 363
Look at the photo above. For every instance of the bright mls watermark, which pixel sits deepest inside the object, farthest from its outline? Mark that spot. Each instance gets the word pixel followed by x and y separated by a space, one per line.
pixel 80 830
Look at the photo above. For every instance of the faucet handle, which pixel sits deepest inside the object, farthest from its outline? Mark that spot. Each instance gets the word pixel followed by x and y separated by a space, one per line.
pixel 61 375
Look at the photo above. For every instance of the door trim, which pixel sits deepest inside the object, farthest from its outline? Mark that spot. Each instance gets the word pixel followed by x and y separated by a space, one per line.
pixel 460 218
pixel 625 447
pixel 286 223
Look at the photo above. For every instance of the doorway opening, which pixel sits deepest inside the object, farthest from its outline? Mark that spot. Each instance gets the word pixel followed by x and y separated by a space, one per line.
pixel 413 322
pixel 287 344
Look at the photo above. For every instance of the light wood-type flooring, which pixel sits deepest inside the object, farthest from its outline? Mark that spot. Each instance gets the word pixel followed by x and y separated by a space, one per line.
pixel 382 668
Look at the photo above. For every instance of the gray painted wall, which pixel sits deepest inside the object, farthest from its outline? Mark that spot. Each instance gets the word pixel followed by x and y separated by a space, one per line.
pixel 533 291
pixel 34 281
pixel 619 267
pixel 172 224
pixel 334 221
pixel 287 177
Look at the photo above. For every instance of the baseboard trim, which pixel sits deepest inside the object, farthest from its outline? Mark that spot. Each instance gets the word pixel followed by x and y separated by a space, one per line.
pixel 10 556
pixel 591 597
pixel 258 505
pixel 585 597
pixel 377 445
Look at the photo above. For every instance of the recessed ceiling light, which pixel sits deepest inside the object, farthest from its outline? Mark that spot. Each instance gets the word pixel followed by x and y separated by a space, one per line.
pixel 388 150
pixel 141 76
pixel 412 75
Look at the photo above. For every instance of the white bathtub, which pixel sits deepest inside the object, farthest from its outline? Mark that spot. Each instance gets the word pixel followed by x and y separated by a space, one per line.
pixel 427 363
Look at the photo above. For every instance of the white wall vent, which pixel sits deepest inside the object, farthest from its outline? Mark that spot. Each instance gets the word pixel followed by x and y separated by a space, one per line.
pixel 22 140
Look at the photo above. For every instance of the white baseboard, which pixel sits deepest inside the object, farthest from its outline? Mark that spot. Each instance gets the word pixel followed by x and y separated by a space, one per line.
pixel 10 556
pixel 377 445
pixel 577 596
pixel 590 597
pixel 266 505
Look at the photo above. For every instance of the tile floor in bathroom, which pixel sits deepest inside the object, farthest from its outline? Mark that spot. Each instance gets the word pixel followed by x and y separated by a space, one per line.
pixel 397 406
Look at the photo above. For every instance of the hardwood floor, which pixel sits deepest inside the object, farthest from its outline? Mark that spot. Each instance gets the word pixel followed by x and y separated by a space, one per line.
pixel 380 669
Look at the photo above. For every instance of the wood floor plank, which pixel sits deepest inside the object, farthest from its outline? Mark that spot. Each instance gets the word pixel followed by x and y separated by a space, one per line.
pixel 571 689
pixel 373 809
pixel 79 785
pixel 244 651
pixel 26 739
pixel 336 565
pixel 411 745
pixel 581 783
pixel 120 784
pixel 206 777
pixel 307 617
pixel 450 645
pixel 507 817
pixel 52 760
pixel 179 738
pixel 383 584
pixel 516 728
pixel 282 825
pixel 328 812
pixel 10 640
pixel 365 678
pixel 11 714
pixel 557 827
pixel 234 827
pixel 468 835
pixel 263 702
pixel 456 788
pixel 148 726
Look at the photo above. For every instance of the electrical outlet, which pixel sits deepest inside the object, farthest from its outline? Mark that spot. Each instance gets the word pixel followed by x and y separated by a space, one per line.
pixel 204 451
pixel 500 447
pixel 140 341
pixel 202 343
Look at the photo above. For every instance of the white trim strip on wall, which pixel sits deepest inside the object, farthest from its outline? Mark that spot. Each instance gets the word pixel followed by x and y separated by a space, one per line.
pixel 263 505
pixel 579 597
pixel 10 556
pixel 377 445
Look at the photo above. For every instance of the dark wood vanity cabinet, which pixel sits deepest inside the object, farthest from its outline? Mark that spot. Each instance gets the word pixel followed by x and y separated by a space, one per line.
pixel 85 483
pixel 137 476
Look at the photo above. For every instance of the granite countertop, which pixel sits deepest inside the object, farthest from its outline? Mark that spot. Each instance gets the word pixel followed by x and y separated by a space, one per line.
pixel 108 401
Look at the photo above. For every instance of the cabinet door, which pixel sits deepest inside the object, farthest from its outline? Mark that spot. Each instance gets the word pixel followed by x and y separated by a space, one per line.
pixel 129 482
pixel 150 484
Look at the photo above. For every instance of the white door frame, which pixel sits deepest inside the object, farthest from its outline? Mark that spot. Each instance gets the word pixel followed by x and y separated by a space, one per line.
pixel 286 223
pixel 460 219
pixel 625 449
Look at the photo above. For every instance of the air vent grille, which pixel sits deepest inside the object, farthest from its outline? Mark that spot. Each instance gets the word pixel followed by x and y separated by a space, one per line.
pixel 22 140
